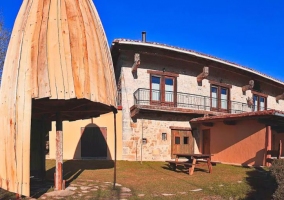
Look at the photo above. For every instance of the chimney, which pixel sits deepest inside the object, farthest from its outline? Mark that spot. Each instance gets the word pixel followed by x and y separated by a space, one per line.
pixel 143 36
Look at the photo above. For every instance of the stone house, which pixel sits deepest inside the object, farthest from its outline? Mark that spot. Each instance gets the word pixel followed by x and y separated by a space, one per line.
pixel 164 89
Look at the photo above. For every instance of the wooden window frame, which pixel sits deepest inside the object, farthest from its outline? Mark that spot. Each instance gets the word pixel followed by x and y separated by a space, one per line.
pixel 258 94
pixel 163 76
pixel 219 87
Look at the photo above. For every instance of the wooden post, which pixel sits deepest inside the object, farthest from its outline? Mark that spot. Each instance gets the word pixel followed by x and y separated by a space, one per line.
pixel 268 147
pixel 59 153
pixel 203 75
pixel 114 110
pixel 136 62
pixel 281 96
pixel 249 86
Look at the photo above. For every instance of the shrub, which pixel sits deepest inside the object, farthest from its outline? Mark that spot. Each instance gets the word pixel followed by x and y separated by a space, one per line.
pixel 277 170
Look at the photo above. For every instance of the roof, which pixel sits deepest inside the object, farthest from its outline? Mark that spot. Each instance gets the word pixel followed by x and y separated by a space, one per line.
pixel 198 54
pixel 239 116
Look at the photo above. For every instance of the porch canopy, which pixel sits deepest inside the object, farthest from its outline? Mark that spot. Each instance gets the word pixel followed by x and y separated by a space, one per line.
pixel 273 118
pixel 58 67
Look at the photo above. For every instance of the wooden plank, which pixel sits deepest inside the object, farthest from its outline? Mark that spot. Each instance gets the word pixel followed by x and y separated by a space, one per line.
pixel 86 31
pixel 112 89
pixel 63 68
pixel 93 62
pixel 35 48
pixel 67 52
pixel 101 66
pixel 42 72
pixel 23 105
pixel 93 59
pixel 53 55
pixel 8 164
pixel 75 33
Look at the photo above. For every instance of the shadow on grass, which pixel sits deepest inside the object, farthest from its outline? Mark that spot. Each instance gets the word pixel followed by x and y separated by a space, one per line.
pixel 262 184
pixel 71 171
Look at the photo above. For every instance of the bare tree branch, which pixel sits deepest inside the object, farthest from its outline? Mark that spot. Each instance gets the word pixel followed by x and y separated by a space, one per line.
pixel 4 41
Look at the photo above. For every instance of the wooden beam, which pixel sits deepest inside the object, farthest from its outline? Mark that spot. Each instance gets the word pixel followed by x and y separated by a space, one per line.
pixel 136 62
pixel 249 101
pixel 209 124
pixel 59 153
pixel 229 122
pixel 249 86
pixel 203 75
pixel 279 97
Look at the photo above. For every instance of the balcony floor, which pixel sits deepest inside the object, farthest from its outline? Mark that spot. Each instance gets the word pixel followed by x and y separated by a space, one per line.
pixel 135 110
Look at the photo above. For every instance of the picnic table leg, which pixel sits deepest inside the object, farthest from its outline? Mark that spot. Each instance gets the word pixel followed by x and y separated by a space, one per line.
pixel 176 160
pixel 209 165
pixel 192 167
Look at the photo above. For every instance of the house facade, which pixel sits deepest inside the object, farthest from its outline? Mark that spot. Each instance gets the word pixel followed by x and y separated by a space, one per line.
pixel 163 88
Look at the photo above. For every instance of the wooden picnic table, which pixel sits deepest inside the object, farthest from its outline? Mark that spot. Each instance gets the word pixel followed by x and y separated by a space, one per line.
pixel 193 160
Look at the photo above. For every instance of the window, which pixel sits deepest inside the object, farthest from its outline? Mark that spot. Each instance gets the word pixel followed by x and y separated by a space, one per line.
pixel 219 98
pixel 164 136
pixel 185 140
pixel 177 140
pixel 144 140
pixel 259 102
pixel 163 90
pixel 155 88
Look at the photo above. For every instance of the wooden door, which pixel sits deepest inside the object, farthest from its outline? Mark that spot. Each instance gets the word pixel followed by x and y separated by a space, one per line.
pixel 182 142
pixel 93 142
pixel 206 141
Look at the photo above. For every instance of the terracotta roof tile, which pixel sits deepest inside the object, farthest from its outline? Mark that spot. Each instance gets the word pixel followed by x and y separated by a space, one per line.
pixel 237 116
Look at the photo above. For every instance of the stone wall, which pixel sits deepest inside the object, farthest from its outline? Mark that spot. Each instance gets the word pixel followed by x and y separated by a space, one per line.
pixel 151 126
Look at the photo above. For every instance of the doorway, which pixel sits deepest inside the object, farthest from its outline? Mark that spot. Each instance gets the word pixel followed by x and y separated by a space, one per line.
pixel 93 142
pixel 182 142
pixel 206 142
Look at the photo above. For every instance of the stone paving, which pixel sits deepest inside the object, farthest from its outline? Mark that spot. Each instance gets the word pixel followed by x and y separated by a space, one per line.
pixel 91 189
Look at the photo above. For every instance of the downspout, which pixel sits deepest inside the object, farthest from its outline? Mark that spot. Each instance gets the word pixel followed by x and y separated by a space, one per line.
pixel 142 141
pixel 114 110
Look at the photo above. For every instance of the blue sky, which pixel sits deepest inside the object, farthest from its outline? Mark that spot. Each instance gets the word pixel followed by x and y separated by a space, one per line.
pixel 250 33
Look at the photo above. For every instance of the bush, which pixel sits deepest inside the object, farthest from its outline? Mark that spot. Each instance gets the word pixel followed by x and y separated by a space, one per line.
pixel 277 170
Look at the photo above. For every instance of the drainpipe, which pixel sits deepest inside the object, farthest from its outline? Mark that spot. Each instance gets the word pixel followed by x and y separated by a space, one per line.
pixel 142 141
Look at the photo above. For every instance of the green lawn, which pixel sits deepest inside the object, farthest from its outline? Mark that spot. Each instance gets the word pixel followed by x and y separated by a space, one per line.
pixel 153 179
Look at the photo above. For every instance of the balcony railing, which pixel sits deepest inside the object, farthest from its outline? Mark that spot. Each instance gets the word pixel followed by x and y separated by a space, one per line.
pixel 144 96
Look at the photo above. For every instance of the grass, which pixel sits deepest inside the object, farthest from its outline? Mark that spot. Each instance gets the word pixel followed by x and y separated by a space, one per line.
pixel 155 178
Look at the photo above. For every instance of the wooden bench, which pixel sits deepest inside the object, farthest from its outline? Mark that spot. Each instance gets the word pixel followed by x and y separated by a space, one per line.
pixel 173 164
pixel 213 163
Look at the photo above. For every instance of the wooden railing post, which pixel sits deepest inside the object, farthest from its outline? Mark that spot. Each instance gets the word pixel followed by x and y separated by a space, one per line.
pixel 59 152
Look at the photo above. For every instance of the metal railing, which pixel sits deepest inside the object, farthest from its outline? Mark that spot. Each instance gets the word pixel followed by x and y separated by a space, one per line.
pixel 144 96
